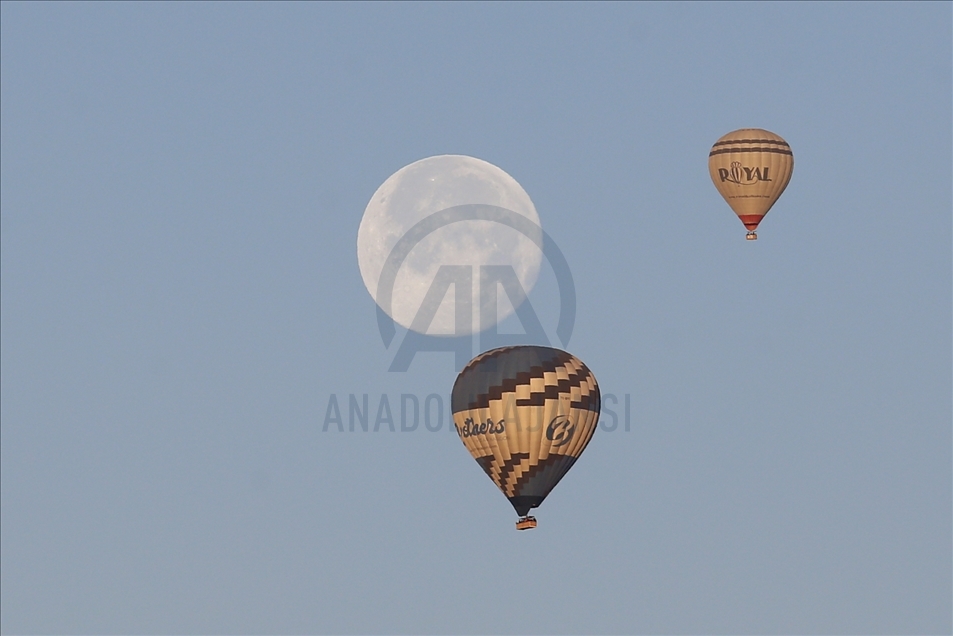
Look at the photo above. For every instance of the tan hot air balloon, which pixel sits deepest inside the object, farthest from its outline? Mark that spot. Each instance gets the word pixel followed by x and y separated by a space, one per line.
pixel 750 168
pixel 525 414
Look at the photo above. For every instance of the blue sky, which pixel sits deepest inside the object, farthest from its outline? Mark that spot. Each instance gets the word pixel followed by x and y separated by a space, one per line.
pixel 181 188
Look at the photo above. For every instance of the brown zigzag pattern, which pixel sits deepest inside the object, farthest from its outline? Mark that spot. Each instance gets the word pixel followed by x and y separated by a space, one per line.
pixel 506 471
pixel 551 391
pixel 563 463
pixel 493 374
pixel 589 401
pixel 509 384
pixel 486 463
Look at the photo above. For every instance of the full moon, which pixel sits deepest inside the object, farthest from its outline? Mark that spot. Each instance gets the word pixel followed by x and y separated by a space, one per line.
pixel 426 187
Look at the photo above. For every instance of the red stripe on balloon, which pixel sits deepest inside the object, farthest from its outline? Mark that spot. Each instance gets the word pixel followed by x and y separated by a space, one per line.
pixel 751 220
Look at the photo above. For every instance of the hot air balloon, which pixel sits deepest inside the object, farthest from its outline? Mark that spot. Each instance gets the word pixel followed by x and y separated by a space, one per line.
pixel 525 414
pixel 750 168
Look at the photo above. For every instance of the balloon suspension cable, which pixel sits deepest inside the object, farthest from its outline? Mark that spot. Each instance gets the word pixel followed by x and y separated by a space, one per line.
pixel 752 236
pixel 526 523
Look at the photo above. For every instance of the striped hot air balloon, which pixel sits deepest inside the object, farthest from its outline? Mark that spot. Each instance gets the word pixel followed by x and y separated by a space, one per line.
pixel 750 168
pixel 525 414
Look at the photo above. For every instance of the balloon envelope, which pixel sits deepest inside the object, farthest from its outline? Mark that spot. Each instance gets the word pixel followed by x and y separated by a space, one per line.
pixel 750 168
pixel 525 414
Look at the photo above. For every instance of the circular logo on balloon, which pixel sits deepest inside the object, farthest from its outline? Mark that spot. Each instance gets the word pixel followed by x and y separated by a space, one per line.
pixel 560 431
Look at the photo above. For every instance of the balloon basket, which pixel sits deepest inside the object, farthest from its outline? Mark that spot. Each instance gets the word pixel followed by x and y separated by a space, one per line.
pixel 525 523
pixel 752 236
